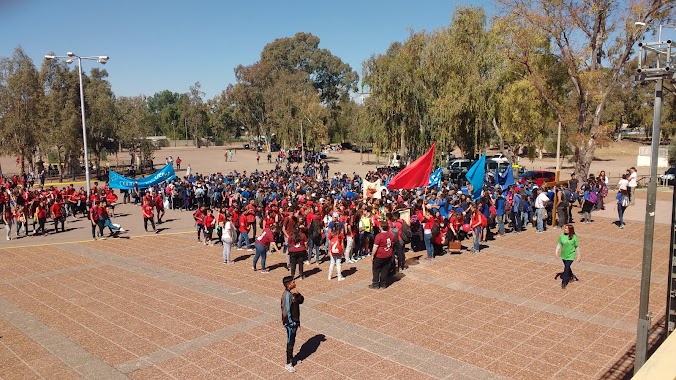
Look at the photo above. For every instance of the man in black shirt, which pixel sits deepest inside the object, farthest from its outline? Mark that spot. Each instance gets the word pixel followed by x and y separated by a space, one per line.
pixel 291 300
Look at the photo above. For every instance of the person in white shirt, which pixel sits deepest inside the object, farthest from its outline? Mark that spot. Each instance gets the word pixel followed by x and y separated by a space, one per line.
pixel 623 184
pixel 633 181
pixel 540 211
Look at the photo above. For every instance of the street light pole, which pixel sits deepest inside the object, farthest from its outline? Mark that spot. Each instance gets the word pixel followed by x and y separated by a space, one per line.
pixel 102 59
pixel 658 72
pixel 84 130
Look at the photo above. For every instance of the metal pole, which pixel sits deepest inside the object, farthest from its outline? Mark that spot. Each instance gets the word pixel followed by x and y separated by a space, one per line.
pixel 84 130
pixel 670 278
pixel 558 153
pixel 643 327
pixel 302 145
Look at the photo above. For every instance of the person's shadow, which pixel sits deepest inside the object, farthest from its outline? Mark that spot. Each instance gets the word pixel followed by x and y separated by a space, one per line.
pixel 310 347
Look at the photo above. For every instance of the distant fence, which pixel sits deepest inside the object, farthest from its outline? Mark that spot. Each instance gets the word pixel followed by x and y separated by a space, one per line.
pixel 644 153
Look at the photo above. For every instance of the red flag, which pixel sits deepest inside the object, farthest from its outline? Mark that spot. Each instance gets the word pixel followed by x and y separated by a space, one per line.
pixel 416 174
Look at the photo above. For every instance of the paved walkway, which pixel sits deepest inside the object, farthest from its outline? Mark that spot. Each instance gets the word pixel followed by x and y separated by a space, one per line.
pixel 149 306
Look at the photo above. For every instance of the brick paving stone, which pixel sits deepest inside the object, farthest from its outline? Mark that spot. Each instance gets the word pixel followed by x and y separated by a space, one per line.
pixel 159 306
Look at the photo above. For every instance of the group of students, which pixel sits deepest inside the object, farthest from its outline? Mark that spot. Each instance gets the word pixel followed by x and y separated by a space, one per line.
pixel 23 207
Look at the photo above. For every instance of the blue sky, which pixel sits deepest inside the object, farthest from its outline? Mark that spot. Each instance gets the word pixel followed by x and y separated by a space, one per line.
pixel 157 45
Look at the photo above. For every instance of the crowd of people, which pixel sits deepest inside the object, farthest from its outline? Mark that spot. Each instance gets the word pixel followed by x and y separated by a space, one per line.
pixel 313 217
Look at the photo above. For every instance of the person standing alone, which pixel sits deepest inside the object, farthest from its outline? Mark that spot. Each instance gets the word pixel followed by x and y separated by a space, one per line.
pixel 383 247
pixel 290 305
pixel 568 248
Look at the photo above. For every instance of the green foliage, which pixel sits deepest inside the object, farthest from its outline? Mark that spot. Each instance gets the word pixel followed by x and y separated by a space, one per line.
pixel 672 153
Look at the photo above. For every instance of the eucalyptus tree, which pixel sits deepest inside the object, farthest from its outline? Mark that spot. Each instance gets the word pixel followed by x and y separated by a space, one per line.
pixel 100 114
pixel 60 115
pixel 594 40
pixel 20 98
pixel 134 123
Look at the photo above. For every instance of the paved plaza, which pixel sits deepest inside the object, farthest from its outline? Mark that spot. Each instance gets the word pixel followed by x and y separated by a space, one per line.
pixel 146 306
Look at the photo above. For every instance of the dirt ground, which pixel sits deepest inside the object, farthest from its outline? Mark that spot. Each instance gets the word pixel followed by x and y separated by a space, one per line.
pixel 614 159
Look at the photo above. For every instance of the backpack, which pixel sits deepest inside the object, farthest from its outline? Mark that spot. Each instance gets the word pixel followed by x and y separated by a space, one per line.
pixel 435 230
pixel 336 245
pixel 625 201
pixel 592 197
pixel 406 233
pixel 565 199
pixel 394 230
pixel 522 205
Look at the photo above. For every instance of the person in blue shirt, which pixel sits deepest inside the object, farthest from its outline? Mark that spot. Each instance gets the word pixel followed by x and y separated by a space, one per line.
pixel 500 211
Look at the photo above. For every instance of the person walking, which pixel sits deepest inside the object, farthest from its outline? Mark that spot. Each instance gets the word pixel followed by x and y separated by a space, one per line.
pixel 477 223
pixel 148 216
pixel 262 245
pixel 56 211
pixel 633 182
pixel 428 226
pixel 335 239
pixel 290 305
pixel 622 204
pixel 243 233
pixel 8 219
pixel 383 247
pixel 298 248
pixel 568 248
pixel 540 210
pixel 227 238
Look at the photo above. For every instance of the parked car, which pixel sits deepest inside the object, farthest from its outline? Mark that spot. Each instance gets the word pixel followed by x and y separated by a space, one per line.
pixel 669 176
pixel 246 146
pixel 457 168
pixel 539 176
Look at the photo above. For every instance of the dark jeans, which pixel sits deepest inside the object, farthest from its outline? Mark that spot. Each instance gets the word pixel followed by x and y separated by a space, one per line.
pixel 58 220
pixel 517 221
pixel 399 252
pixel 41 226
pixel 152 223
pixel 380 269
pixel 567 272
pixel 290 341
pixel 296 258
pixel 261 252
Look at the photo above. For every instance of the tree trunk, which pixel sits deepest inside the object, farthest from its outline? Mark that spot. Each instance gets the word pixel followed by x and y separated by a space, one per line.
pixel 506 152
pixel 403 149
pixel 583 155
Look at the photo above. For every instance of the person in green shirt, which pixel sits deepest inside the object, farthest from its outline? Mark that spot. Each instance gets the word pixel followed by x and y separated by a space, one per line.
pixel 568 248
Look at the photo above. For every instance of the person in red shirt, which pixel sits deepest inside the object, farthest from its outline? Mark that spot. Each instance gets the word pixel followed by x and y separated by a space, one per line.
pixel 297 251
pixel 111 199
pixel 148 216
pixel 209 224
pixel 96 221
pixel 159 206
pixel 57 215
pixel 243 233
pixel 336 249
pixel 8 219
pixel 263 243
pixel 178 163
pixel 199 221
pixel 427 234
pixel 41 213
pixel 383 247
pixel 220 223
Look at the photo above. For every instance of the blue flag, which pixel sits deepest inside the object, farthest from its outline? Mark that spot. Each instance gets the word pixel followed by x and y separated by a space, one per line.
pixel 475 176
pixel 506 178
pixel 435 178
pixel 118 181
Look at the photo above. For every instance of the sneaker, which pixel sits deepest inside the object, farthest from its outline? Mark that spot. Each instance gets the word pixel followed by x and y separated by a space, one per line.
pixel 341 278
pixel 374 286
pixel 289 367
pixel 307 262
pixel 9 238
pixel 102 238
pixel 122 229
pixel 250 250
pixel 264 271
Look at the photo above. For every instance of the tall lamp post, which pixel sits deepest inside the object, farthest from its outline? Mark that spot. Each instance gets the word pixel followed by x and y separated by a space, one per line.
pixel 660 69
pixel 102 59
